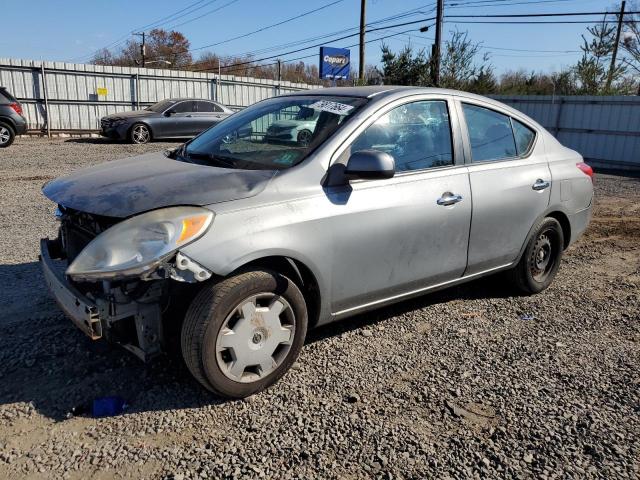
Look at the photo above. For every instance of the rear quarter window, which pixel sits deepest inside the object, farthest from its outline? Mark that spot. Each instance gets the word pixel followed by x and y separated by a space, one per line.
pixel 524 137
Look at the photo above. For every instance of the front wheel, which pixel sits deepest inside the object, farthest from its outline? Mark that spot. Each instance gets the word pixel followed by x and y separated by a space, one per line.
pixel 541 259
pixel 242 334
pixel 140 134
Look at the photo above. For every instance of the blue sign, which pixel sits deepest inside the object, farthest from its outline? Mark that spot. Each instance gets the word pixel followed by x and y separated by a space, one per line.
pixel 335 63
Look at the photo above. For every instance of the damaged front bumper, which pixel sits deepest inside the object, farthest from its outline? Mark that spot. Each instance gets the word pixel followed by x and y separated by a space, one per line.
pixel 82 311
pixel 108 310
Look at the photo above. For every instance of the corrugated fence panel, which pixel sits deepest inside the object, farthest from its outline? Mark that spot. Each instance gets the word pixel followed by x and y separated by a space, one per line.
pixel 604 129
pixel 74 103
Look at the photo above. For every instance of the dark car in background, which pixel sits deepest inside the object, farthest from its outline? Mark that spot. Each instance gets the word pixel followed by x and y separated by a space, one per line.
pixel 12 122
pixel 175 118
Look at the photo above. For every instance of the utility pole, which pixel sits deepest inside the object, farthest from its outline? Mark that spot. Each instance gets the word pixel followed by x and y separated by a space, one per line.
pixel 143 48
pixel 615 47
pixel 279 71
pixel 363 11
pixel 435 51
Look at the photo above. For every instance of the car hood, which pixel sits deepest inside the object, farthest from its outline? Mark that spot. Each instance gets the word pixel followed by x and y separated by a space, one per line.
pixel 132 114
pixel 122 188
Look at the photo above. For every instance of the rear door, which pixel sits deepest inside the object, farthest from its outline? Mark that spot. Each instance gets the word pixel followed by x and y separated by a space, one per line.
pixel 207 114
pixel 510 183
pixel 397 236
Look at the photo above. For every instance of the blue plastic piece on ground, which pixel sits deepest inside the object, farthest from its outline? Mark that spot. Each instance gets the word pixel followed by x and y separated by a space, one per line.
pixel 108 406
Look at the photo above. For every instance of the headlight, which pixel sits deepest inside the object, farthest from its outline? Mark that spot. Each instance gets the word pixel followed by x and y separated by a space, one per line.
pixel 139 244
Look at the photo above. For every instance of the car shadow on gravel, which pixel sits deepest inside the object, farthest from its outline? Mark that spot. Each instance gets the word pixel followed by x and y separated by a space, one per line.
pixel 493 286
pixel 46 361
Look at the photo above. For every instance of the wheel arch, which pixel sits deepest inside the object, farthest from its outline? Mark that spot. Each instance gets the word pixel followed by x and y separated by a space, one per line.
pixel 298 273
pixel 7 122
pixel 564 222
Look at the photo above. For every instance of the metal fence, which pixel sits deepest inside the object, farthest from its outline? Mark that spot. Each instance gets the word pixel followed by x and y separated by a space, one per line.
pixel 605 130
pixel 58 96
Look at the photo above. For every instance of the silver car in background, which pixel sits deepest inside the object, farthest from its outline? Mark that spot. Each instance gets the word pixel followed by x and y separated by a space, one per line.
pixel 173 118
pixel 238 245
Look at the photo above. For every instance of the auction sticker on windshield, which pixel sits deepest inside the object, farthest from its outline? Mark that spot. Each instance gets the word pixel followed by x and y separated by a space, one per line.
pixel 331 107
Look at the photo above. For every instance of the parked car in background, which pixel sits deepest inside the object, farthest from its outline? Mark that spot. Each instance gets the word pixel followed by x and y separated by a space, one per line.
pixel 176 118
pixel 12 121
pixel 237 246
pixel 298 129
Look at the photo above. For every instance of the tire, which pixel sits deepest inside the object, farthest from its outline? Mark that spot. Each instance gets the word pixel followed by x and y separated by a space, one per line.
pixel 223 334
pixel 140 134
pixel 535 271
pixel 7 135
pixel 304 138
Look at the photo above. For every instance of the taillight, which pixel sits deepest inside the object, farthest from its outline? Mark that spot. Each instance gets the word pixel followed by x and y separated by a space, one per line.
pixel 17 107
pixel 586 169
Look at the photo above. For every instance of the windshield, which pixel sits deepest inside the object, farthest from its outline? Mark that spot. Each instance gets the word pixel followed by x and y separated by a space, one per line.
pixel 160 106
pixel 269 135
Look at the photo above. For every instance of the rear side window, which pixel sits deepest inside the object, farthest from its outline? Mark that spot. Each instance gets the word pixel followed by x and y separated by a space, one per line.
pixel 208 107
pixel 490 134
pixel 417 135
pixel 524 137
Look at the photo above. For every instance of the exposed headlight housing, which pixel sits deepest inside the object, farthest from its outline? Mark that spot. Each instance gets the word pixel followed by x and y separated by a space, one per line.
pixel 138 245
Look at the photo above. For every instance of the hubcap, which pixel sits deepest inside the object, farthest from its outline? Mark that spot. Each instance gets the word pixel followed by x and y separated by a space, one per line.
pixel 541 263
pixel 4 135
pixel 140 134
pixel 255 338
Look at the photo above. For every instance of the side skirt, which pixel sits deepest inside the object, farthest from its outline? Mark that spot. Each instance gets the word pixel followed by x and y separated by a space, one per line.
pixel 414 293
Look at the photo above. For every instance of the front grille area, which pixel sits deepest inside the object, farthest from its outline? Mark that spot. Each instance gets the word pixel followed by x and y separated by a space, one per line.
pixel 77 229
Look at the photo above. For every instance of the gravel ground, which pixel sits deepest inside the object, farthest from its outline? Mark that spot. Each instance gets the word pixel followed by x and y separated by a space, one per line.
pixel 454 384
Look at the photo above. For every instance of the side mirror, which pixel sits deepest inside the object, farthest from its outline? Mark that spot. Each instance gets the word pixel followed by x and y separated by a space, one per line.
pixel 170 112
pixel 370 164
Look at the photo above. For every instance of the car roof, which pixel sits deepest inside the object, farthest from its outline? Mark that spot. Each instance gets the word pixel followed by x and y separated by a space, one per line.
pixel 386 90
pixel 188 99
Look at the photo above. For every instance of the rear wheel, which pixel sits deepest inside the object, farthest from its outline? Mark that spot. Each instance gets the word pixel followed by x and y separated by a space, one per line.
pixel 541 259
pixel 242 334
pixel 139 134
pixel 7 135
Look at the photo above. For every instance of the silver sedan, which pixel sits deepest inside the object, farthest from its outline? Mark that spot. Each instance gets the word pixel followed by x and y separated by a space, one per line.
pixel 237 245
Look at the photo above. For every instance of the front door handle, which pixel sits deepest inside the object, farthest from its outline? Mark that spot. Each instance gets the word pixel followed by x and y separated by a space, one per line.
pixel 449 198
pixel 540 184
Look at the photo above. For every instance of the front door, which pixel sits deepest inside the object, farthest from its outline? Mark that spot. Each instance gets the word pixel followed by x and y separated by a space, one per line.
pixel 397 236
pixel 510 181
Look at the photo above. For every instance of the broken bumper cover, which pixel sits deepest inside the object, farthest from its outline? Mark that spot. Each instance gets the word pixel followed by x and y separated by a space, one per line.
pixel 82 311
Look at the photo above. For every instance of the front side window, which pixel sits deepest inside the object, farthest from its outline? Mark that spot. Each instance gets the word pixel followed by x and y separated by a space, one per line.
pixel 274 134
pixel 490 134
pixel 417 135
pixel 184 107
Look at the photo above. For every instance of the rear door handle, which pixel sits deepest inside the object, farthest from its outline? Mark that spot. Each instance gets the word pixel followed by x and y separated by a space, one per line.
pixel 540 184
pixel 449 198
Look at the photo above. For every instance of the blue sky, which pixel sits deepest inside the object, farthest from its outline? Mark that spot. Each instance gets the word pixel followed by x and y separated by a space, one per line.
pixel 73 29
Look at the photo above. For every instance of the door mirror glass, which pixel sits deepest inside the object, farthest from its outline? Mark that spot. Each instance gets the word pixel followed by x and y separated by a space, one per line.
pixel 169 112
pixel 370 164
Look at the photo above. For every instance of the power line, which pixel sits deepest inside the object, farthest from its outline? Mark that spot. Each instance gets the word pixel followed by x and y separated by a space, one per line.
pixel 290 19
pixel 203 15
pixel 528 15
pixel 321 44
